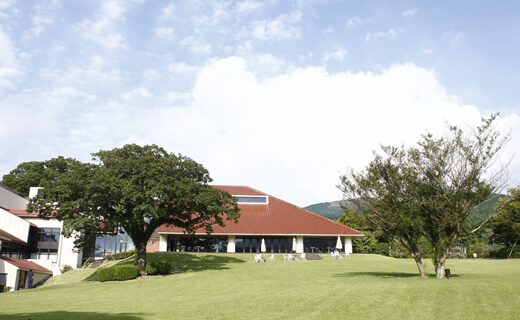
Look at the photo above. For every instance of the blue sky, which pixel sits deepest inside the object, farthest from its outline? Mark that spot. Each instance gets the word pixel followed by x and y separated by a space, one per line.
pixel 282 96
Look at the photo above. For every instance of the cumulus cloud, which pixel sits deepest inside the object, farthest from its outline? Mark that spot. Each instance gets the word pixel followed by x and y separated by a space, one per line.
pixel 167 33
pixel 290 134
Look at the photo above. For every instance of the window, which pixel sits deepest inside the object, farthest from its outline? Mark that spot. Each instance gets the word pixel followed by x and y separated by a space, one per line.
pixel 47 244
pixel 251 199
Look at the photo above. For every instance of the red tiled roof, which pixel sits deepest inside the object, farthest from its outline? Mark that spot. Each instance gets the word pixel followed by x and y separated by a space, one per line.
pixel 276 217
pixel 23 214
pixel 26 265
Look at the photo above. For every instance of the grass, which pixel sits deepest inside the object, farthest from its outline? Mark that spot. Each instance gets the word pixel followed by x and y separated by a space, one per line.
pixel 206 286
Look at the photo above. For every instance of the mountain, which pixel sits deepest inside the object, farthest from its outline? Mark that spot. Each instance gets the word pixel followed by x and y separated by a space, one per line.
pixel 331 210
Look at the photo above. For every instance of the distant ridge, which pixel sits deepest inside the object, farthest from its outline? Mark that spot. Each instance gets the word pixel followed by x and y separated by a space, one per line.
pixel 331 210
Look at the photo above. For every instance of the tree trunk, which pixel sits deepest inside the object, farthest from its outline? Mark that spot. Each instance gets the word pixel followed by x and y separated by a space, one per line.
pixel 141 256
pixel 420 265
pixel 439 264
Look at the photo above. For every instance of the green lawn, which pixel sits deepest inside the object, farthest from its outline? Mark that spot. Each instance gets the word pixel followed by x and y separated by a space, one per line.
pixel 221 286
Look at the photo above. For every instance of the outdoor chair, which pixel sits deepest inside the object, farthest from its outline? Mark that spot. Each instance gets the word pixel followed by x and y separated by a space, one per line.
pixel 259 258
pixel 303 257
pixel 347 255
pixel 290 257
pixel 271 258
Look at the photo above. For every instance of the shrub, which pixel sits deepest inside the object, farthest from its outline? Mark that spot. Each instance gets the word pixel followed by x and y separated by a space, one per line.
pixel 66 268
pixel 118 273
pixel 120 255
pixel 503 253
pixel 2 287
pixel 158 267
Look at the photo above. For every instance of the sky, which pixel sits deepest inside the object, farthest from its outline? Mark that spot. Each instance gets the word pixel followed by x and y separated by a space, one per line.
pixel 282 96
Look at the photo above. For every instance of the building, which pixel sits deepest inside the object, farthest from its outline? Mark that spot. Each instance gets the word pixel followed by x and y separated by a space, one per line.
pixel 281 226
pixel 29 242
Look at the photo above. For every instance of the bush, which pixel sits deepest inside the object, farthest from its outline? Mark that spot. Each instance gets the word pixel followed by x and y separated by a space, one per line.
pixel 120 255
pixel 66 268
pixel 158 267
pixel 503 253
pixel 118 273
pixel 2 287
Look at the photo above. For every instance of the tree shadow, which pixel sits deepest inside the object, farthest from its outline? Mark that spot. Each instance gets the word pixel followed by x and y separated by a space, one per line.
pixel 56 315
pixel 183 262
pixel 380 274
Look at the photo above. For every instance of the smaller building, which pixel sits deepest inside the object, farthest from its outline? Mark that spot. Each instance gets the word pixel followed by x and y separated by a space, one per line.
pixel 14 273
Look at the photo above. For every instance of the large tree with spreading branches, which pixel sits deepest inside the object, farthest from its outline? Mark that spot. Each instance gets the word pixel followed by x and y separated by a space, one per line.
pixel 134 189
pixel 421 196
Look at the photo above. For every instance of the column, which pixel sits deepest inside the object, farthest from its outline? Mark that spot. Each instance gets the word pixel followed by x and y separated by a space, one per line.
pixel 348 244
pixel 299 244
pixel 231 244
pixel 163 242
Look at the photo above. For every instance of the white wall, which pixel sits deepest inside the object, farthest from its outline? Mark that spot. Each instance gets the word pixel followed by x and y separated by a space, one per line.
pixel 14 225
pixel 6 267
pixel 11 200
pixel 299 244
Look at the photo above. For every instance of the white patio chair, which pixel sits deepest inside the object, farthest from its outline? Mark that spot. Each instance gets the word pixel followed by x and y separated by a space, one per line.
pixel 347 255
pixel 303 257
pixel 290 257
pixel 271 258
pixel 285 257
pixel 259 258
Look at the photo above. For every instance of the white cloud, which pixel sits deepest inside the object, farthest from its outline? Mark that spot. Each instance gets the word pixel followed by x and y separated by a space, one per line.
pixel 282 27
pixel 355 22
pixel 165 33
pixel 336 54
pixel 409 12
pixel 390 33
pixel 182 68
pixel 103 30
pixel 291 134
pixel 248 6
pixel 196 45
pixel 151 74
pixel 10 68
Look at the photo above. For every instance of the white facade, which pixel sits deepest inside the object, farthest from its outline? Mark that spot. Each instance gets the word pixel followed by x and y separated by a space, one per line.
pixel 9 199
pixel 67 255
pixel 14 225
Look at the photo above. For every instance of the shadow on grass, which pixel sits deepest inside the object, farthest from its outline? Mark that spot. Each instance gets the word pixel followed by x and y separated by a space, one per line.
pixel 53 315
pixel 396 275
pixel 183 262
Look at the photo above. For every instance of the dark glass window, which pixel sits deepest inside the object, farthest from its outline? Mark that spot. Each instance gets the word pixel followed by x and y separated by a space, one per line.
pixel 251 199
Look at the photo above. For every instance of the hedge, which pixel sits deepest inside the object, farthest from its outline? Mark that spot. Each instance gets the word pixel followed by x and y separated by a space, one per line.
pixel 118 273
pixel 120 255
pixel 503 253
pixel 158 267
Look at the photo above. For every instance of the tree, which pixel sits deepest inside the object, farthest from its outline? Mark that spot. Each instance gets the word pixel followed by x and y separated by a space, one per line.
pixel 134 189
pixel 506 225
pixel 36 173
pixel 426 192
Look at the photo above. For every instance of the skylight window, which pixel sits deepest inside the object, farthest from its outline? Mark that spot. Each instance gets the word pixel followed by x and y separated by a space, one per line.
pixel 252 199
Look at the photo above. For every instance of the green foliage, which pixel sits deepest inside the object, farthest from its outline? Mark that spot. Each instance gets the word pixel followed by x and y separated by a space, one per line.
pixel 480 249
pixel 37 173
pixel 506 225
pixel 366 244
pixel 503 253
pixel 158 267
pixel 138 189
pixel 66 268
pixel 120 255
pixel 118 273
